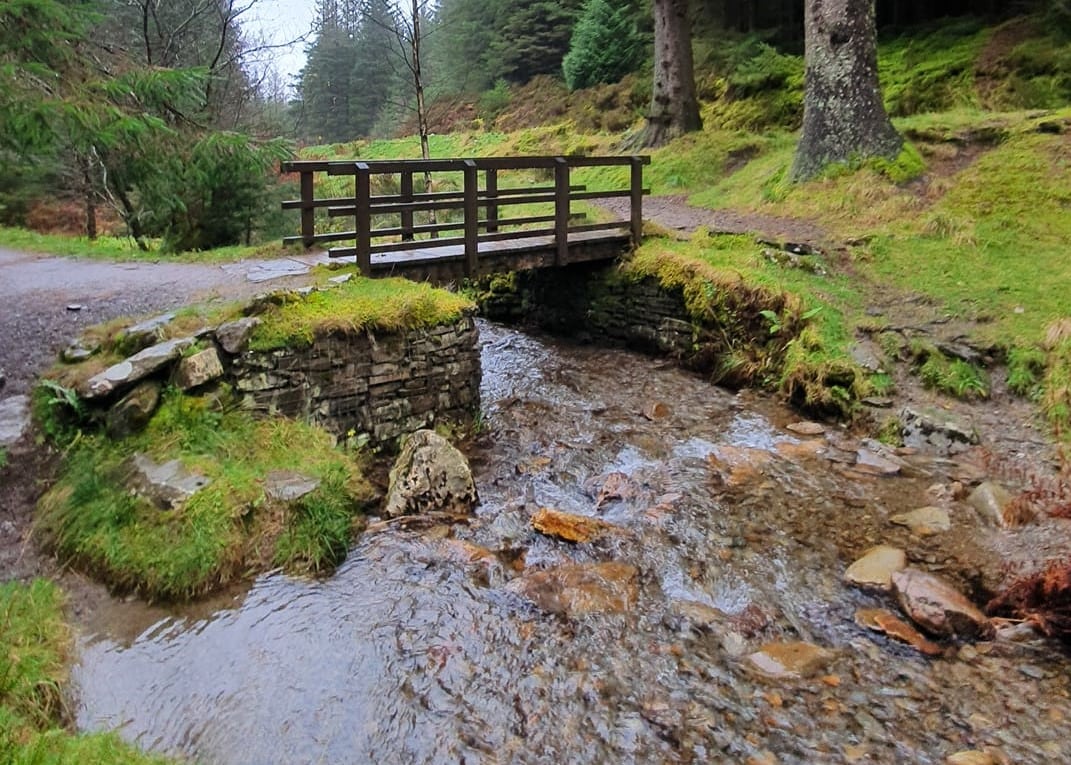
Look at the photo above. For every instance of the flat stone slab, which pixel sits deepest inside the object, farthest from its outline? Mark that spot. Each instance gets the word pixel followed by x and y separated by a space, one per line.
pixel 876 567
pixel 233 337
pixel 134 369
pixel 166 485
pixel 790 660
pixel 14 418
pixel 289 485
pixel 924 521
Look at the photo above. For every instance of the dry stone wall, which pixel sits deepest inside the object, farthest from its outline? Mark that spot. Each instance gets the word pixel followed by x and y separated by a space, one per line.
pixel 376 386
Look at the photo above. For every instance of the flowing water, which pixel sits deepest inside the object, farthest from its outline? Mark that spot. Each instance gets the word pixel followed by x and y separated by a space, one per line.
pixel 422 648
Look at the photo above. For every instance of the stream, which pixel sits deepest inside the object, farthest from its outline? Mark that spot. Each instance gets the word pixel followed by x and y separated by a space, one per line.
pixel 728 531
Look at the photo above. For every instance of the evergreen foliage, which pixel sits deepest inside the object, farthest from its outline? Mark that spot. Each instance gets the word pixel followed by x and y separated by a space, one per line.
pixel 605 45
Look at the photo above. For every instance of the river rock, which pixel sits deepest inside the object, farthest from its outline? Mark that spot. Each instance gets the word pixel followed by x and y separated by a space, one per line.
pixel 937 606
pixel 994 503
pixel 14 418
pixel 567 526
pixel 971 757
pixel 133 412
pixel 166 485
pixel 145 333
pixel 198 369
pixel 925 521
pixel 936 431
pixel 134 369
pixel 579 589
pixel 880 620
pixel 876 567
pixel 233 337
pixel 790 660
pixel 430 475
pixel 289 485
pixel 872 463
pixel 807 428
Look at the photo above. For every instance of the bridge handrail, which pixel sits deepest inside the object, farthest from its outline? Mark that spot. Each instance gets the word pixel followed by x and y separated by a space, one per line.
pixel 363 205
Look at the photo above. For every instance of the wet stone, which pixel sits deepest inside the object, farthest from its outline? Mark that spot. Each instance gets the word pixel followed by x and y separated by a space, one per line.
pixel 881 620
pixel 289 485
pixel 925 521
pixel 166 485
pixel 14 418
pixel 871 463
pixel 937 606
pixel 971 757
pixel 579 589
pixel 567 526
pixel 430 475
pixel 876 567
pixel 790 660
pixel 936 431
pixel 807 428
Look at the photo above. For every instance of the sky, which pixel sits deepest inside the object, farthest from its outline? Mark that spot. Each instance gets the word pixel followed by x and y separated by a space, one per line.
pixel 280 21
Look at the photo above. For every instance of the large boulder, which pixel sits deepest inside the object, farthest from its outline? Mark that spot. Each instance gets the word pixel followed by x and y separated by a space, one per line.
pixel 430 475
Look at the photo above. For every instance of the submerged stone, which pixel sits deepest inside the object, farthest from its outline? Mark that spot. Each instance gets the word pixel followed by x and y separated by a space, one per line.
pixel 790 660
pixel 579 589
pixel 430 475
pixel 567 526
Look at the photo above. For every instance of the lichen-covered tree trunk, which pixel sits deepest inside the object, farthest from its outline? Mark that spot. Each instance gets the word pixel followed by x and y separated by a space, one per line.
pixel 674 108
pixel 844 118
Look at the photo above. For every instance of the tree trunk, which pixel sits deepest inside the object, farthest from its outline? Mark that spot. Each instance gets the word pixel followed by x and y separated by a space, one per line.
pixel 422 111
pixel 674 108
pixel 844 118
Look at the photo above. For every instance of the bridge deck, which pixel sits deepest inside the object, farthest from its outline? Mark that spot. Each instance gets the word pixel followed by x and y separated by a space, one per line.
pixel 387 237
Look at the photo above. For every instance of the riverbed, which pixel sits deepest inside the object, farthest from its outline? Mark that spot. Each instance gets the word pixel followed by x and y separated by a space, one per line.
pixel 725 531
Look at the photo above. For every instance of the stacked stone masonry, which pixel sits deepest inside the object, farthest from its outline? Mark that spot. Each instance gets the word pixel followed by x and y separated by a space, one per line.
pixel 382 386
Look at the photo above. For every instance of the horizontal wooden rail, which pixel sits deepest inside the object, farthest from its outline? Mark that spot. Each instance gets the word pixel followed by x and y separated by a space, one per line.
pixel 472 212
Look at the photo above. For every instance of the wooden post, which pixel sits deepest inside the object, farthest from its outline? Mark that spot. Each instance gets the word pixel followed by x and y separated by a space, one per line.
pixel 492 200
pixel 308 212
pixel 363 218
pixel 561 211
pixel 472 219
pixel 636 196
pixel 407 215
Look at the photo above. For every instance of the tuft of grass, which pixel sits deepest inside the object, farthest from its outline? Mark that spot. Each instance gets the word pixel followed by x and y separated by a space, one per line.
pixel 225 531
pixel 34 646
pixel 953 377
pixel 1026 370
pixel 361 303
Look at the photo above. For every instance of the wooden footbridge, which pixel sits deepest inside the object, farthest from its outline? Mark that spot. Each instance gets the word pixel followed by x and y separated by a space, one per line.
pixel 480 216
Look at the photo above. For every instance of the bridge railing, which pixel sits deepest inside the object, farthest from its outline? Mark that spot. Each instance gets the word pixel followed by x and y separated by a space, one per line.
pixel 386 222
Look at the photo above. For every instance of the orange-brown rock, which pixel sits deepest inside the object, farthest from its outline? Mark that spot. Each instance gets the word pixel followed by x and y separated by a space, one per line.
pixel 787 660
pixel 567 526
pixel 937 606
pixel 579 589
pixel 880 620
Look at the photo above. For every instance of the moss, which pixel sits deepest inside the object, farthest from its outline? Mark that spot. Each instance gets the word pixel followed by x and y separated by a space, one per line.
pixel 35 642
pixel 383 304
pixel 226 530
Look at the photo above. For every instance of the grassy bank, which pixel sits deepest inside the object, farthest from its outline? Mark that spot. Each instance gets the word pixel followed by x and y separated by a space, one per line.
pixel 34 645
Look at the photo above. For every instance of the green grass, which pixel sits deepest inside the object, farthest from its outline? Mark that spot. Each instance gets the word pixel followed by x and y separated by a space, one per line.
pixel 125 250
pixel 34 645
pixel 227 530
pixel 361 303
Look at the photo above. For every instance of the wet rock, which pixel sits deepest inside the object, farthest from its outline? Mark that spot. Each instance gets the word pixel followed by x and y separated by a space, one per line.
pixel 971 757
pixel 937 607
pixel 133 412
pixel 430 475
pixel 880 620
pixel 14 418
pixel 166 485
pixel 233 337
pixel 800 450
pixel 617 486
pixel 936 431
pixel 872 463
pixel 656 410
pixel 807 428
pixel 198 369
pixel 790 660
pixel 579 589
pixel 925 521
pixel 739 465
pixel 567 526
pixel 994 503
pixel 876 567
pixel 134 369
pixel 145 333
pixel 289 485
